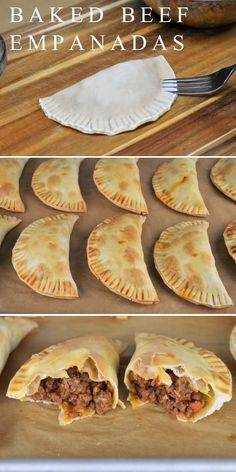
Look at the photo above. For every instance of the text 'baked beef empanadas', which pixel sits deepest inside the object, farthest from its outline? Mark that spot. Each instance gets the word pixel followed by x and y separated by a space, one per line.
pixel 78 375
pixel 232 343
pixel 7 223
pixel 230 239
pixel 118 180
pixel 10 172
pixel 176 184
pixel 184 259
pixel 55 182
pixel 223 176
pixel 115 257
pixel 117 99
pixel 12 331
pixel 188 382
pixel 41 256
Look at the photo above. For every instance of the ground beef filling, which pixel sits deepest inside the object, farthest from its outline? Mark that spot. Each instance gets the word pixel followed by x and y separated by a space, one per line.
pixel 76 392
pixel 179 398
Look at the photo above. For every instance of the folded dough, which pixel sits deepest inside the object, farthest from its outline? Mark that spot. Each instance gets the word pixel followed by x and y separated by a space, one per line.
pixel 176 184
pixel 55 182
pixel 41 256
pixel 78 375
pixel 7 223
pixel 12 331
pixel 223 176
pixel 115 256
pixel 118 180
pixel 117 99
pixel 188 382
pixel 185 262
pixel 233 342
pixel 230 239
pixel 10 171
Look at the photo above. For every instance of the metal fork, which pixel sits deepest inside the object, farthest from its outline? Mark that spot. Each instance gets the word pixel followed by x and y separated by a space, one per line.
pixel 202 85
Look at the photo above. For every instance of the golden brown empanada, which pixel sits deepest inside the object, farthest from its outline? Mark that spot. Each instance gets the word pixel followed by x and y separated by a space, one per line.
pixel 223 176
pixel 78 375
pixel 115 256
pixel 233 342
pixel 10 171
pixel 7 223
pixel 12 331
pixel 55 182
pixel 176 184
pixel 41 256
pixel 230 239
pixel 118 180
pixel 188 382
pixel 184 260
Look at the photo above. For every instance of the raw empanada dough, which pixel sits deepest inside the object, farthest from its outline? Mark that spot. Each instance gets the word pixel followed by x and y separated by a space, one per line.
pixel 55 182
pixel 96 355
pixel 7 223
pixel 176 184
pixel 114 100
pixel 41 256
pixel 184 259
pixel 230 239
pixel 12 331
pixel 233 342
pixel 156 355
pixel 10 171
pixel 115 256
pixel 118 180
pixel 223 176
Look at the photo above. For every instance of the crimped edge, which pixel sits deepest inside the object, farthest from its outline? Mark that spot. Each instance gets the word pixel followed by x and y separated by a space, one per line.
pixel 219 183
pixel 230 239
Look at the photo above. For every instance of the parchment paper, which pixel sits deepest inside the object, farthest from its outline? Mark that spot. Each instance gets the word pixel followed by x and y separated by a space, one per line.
pixel 30 430
pixel 16 297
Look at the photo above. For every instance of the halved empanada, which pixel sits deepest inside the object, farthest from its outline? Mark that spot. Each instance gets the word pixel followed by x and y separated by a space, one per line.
pixel 184 260
pixel 12 331
pixel 7 223
pixel 223 176
pixel 55 182
pixel 118 180
pixel 232 343
pixel 115 256
pixel 10 171
pixel 176 184
pixel 78 375
pixel 188 382
pixel 41 256
pixel 230 239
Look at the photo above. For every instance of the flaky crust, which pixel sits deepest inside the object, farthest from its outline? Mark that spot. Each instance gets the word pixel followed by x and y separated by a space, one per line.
pixel 230 239
pixel 10 172
pixel 7 223
pixel 232 343
pixel 223 176
pixel 115 257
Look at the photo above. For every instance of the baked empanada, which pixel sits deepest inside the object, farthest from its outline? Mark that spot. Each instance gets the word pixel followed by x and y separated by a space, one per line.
pixel 233 342
pixel 41 256
pixel 188 382
pixel 115 256
pixel 78 375
pixel 12 331
pixel 184 259
pixel 223 176
pixel 230 239
pixel 118 180
pixel 10 171
pixel 7 223
pixel 176 184
pixel 55 182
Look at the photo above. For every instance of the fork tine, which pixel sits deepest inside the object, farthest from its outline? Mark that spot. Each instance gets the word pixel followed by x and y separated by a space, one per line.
pixel 189 80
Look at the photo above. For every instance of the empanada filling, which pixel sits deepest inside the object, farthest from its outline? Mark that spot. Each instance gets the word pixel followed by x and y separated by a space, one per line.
pixel 77 392
pixel 178 398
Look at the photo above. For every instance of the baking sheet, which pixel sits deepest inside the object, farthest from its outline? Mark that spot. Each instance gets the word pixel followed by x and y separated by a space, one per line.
pixel 30 430
pixel 16 297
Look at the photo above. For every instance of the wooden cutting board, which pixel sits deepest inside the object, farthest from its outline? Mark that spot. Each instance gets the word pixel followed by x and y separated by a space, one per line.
pixel 193 126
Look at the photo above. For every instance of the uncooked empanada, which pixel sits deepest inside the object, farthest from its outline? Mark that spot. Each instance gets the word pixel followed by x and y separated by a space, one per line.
pixel 10 171
pixel 41 256
pixel 12 331
pixel 230 239
pixel 78 375
pixel 115 256
pixel 118 180
pixel 176 184
pixel 188 382
pixel 7 223
pixel 55 182
pixel 114 100
pixel 184 259
pixel 232 343
pixel 223 176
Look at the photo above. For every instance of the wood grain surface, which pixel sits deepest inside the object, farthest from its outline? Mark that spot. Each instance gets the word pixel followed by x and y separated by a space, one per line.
pixel 198 126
